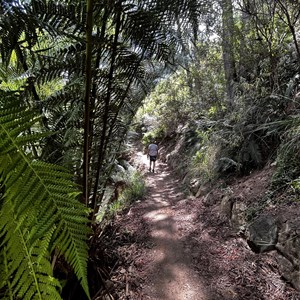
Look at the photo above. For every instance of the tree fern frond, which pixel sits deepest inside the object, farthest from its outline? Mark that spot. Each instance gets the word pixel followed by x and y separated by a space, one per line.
pixel 5 285
pixel 60 97
pixel 17 21
pixel 55 204
pixel 28 268
pixel 39 199
pixel 60 17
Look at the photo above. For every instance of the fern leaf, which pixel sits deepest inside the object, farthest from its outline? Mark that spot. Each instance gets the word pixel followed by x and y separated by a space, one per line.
pixel 39 199
pixel 28 265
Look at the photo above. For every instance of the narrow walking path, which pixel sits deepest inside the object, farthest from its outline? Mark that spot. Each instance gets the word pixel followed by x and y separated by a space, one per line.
pixel 171 274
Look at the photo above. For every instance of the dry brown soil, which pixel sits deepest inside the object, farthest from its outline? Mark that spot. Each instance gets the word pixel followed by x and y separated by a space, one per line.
pixel 175 247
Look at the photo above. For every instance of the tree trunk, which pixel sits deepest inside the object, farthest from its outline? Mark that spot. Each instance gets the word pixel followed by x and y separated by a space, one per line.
pixel 228 49
pixel 291 24
pixel 105 120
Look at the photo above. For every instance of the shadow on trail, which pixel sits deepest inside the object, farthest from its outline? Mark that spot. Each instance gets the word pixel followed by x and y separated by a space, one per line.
pixel 172 275
pixel 187 264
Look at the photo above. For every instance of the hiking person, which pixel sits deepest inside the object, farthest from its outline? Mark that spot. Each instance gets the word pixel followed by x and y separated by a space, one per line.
pixel 152 154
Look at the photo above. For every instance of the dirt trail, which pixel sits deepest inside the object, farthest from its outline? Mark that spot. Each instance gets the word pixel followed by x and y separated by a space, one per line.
pixel 176 247
pixel 172 276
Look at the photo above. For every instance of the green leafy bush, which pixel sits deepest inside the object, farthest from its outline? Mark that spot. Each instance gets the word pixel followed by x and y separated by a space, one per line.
pixel 157 134
pixel 136 188
pixel 288 163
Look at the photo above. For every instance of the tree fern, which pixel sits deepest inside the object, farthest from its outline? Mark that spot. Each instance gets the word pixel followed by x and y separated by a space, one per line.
pixel 28 271
pixel 128 41
pixel 39 213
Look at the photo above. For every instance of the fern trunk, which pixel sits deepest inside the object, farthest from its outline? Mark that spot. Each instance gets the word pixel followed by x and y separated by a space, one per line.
pixel 106 109
pixel 88 84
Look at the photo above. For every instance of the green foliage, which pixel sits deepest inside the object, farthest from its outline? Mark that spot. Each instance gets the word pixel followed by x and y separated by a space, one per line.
pixel 43 54
pixel 27 273
pixel 39 212
pixel 203 164
pixel 203 153
pixel 136 188
pixel 295 184
pixel 288 164
pixel 157 134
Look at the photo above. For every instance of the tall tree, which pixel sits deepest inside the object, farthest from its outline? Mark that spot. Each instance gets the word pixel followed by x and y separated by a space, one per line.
pixel 228 49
